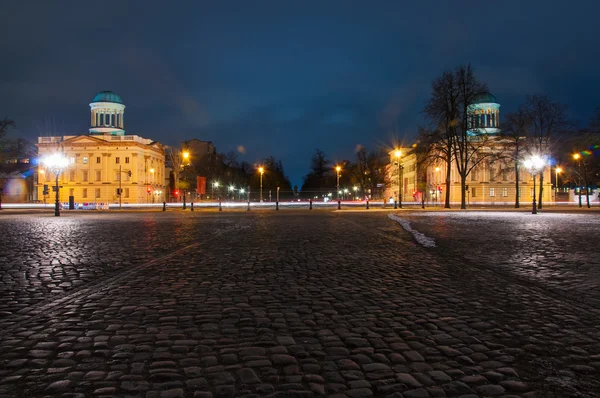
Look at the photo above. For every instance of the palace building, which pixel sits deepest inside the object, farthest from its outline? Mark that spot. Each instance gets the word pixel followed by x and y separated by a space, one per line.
pixel 107 165
pixel 490 182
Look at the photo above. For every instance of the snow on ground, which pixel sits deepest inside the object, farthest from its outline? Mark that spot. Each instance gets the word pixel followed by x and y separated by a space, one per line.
pixel 419 237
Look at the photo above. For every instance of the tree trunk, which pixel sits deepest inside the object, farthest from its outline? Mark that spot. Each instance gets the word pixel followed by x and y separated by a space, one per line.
pixel 517 205
pixel 541 189
pixel 448 177
pixel 463 193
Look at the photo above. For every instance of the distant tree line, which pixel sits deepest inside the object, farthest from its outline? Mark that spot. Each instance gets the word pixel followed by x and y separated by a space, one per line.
pixel 363 177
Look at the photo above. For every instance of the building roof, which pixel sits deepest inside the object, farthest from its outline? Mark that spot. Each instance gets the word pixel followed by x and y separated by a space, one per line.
pixel 107 96
pixel 484 98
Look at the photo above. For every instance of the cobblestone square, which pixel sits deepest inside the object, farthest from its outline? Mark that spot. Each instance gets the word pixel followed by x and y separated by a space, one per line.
pixel 298 303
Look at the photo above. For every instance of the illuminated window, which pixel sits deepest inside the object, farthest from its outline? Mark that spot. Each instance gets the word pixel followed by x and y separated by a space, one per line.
pixel 85 160
pixel 504 192
pixel 492 192
pixel 72 160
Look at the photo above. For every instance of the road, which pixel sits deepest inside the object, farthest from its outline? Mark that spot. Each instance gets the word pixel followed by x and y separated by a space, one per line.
pixel 291 304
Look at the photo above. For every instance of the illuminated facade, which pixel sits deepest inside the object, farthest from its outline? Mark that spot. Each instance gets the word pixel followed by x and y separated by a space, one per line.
pixel 489 183
pixel 105 160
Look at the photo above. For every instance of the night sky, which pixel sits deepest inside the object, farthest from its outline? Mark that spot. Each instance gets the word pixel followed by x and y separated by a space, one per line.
pixel 283 78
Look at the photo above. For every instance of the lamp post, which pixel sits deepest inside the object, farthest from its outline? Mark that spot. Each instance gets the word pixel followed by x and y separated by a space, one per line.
pixel 558 170
pixel 534 164
pixel 398 154
pixel 261 170
pixel 578 158
pixel 185 156
pixel 213 186
pixel 338 169
pixel 56 163
pixel 355 189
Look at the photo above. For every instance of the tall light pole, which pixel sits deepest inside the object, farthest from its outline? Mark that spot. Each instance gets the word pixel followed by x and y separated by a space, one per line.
pixel 56 163
pixel 338 169
pixel 578 158
pixel 534 164
pixel 186 156
pixel 558 170
pixel 261 170
pixel 398 154
pixel 213 186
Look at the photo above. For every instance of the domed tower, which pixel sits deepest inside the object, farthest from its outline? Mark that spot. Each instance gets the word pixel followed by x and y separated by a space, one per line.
pixel 107 110
pixel 484 115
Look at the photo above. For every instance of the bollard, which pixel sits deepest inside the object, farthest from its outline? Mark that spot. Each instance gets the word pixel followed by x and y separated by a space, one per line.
pixel 164 206
pixel 367 204
pixel 310 204
pixel 248 204
pixel 277 205
pixel 220 208
pixel 192 206
pixel 339 204
pixel 395 204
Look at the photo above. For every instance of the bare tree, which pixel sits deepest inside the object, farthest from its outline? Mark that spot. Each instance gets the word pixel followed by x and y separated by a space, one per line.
pixel 548 118
pixel 4 126
pixel 442 110
pixel 471 145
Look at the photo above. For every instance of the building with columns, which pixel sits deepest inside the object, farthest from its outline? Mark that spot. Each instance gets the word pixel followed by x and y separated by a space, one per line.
pixel 491 182
pixel 104 160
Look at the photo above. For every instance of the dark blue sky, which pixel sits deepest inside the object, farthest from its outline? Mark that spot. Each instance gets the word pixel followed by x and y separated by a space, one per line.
pixel 283 78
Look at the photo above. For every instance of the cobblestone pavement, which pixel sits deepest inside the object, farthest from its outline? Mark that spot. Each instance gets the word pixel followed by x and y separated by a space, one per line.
pixel 557 252
pixel 288 304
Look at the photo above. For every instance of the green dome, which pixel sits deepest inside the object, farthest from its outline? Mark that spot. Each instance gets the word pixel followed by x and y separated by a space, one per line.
pixel 107 96
pixel 484 98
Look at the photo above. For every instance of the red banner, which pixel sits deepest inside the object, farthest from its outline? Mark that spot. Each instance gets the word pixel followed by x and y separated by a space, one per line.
pixel 200 185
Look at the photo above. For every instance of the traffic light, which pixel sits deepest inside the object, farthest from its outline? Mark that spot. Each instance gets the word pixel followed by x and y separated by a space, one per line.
pixel 440 188
pixel 176 193
pixel 45 190
pixel 466 187
pixel 119 191
pixel 129 173
pixel 148 189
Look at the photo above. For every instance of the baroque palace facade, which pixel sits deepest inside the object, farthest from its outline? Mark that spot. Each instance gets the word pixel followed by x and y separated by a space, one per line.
pixel 489 183
pixel 105 160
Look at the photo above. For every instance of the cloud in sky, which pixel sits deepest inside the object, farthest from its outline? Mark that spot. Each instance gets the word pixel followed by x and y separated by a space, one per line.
pixel 285 78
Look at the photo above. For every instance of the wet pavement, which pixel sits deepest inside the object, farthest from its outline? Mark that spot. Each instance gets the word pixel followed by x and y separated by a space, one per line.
pixel 292 304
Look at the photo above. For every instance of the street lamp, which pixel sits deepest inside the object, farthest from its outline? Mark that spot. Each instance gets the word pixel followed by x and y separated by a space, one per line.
pixel 355 189
pixel 338 169
pixel 558 170
pixel 398 154
pixel 56 163
pixel 213 186
pixel 534 164
pixel 261 170
pixel 578 158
